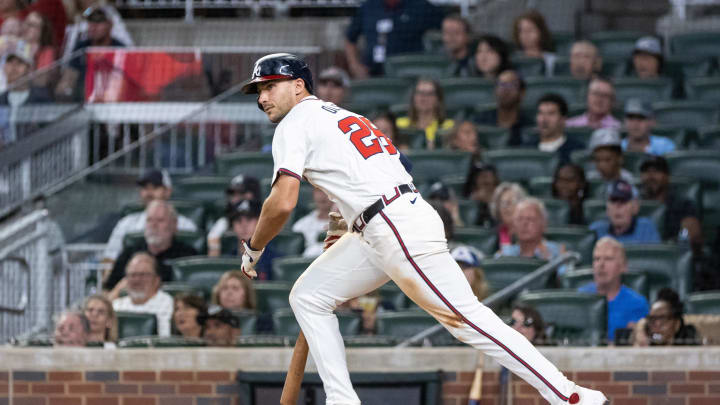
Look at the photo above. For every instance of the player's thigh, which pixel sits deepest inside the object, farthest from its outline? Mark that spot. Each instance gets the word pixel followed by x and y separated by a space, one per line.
pixel 343 272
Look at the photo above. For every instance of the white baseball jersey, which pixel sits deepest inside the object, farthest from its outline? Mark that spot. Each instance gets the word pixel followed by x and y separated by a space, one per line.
pixel 340 152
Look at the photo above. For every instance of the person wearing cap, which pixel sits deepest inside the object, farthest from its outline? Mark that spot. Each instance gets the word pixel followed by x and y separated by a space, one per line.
pixel 159 240
pixel 623 222
pixel 681 213
pixel 314 225
pixel 243 221
pixel 625 306
pixel 552 112
pixel 333 85
pixel 456 38
pixel 647 58
pixel 585 60
pixel 440 193
pixel 639 122
pixel 220 326
pixel 78 30
pixel 154 185
pixel 469 261
pixel 607 155
pixel 600 100
pixel 509 94
pixel 241 187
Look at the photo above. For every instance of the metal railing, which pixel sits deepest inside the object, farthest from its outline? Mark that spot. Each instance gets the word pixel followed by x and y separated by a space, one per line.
pixel 505 294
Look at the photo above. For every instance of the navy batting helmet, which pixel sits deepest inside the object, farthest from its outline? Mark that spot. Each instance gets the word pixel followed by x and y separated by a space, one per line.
pixel 278 66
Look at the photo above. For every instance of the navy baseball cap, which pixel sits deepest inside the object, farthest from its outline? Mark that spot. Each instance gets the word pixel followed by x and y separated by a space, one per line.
pixel 465 257
pixel 439 191
pixel 621 191
pixel 246 208
pixel 221 314
pixel 155 177
pixel 655 162
pixel 244 184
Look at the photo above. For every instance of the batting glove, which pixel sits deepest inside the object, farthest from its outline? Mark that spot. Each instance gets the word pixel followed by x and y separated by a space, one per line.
pixel 336 228
pixel 250 258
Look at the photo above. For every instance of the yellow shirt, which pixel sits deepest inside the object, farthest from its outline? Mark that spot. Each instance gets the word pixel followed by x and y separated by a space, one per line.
pixel 430 130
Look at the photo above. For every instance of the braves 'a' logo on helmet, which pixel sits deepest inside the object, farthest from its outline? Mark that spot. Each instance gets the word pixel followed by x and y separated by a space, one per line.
pixel 256 71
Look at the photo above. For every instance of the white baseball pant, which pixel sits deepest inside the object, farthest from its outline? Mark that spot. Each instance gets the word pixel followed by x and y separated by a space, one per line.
pixel 406 243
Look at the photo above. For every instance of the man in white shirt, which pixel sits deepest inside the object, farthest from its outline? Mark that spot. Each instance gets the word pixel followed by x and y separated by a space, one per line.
pixel 314 225
pixel 154 185
pixel 143 292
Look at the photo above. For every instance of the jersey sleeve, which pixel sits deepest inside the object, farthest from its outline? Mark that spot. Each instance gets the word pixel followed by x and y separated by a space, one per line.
pixel 289 150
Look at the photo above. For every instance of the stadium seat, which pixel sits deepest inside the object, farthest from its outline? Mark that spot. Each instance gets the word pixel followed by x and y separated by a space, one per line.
pixel 463 93
pixel 685 114
pixel 286 242
pixel 160 342
pixel 695 43
pixel 391 293
pixel 637 280
pixel 405 324
pixel 614 66
pixel 709 137
pixel 703 89
pixel 528 67
pixel 272 295
pixel 563 41
pixel 135 324
pixel 483 239
pixel 540 186
pixel 175 288
pixel 432 42
pixel 202 188
pixel 378 92
pixel 705 302
pixel 492 137
pixel 575 238
pixel 577 318
pixel 248 320
pixel 415 137
pixel 704 166
pixel 681 136
pixel 615 43
pixel 256 164
pixel 289 268
pixel 503 271
pixel 416 65
pixel 265 341
pixel 684 67
pixel 595 209
pixel 649 90
pixel 558 211
pixel 203 272
pixel 370 341
pixel 284 323
pixel 468 211
pixel 665 266
pixel 194 239
pixel 522 164
pixel 438 163
pixel 570 88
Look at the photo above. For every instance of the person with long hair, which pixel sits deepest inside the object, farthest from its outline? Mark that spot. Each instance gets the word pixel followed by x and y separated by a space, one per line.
pixel 533 39
pixel 234 292
pixel 569 184
pixel 482 180
pixel 101 315
pixel 37 31
pixel 664 325
pixel 492 56
pixel 502 207
pixel 186 310
pixel 386 122
pixel 427 111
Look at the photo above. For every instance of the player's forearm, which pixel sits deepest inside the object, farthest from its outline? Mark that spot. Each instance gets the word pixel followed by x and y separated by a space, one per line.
pixel 275 211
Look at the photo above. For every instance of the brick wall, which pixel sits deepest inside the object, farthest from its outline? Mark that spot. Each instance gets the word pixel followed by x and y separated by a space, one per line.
pixel 621 387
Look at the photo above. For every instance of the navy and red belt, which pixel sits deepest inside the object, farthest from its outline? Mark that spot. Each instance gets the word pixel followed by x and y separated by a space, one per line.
pixel 365 217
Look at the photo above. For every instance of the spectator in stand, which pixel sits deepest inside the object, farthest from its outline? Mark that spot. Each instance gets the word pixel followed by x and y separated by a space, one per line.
pixel 333 85
pixel 551 114
pixel 600 100
pixel 456 36
pixel 240 188
pixel 664 325
pixel 532 37
pixel 159 242
pixel 447 221
pixel 464 137
pixel 469 262
pixel 314 225
pixel 186 310
pixel 10 11
pixel 529 225
pixel 681 214
pixel 244 220
pixel 427 111
pixel 220 327
pixel 607 156
pixel 639 122
pixel 529 322
pixel 622 222
pixel 37 32
pixel 502 208
pixel 234 291
pixel 509 94
pixel 99 31
pixel 55 13
pixel 78 30
pixel 585 60
pixel 624 305
pixel 482 180
pixel 154 185
pixel 103 323
pixel 443 195
pixel 569 184
pixel 71 330
pixel 647 58
pixel 492 56
pixel 143 283
pixel 386 122
pixel 389 27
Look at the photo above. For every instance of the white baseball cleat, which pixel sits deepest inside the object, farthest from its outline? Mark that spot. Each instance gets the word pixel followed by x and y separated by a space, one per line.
pixel 585 396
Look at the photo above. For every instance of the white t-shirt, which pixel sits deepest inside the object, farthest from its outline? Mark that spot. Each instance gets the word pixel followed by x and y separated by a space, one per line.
pixel 161 304
pixel 135 222
pixel 339 152
pixel 312 228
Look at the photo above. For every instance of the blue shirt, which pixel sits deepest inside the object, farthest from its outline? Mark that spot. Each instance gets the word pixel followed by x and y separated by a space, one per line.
pixel 627 306
pixel 659 145
pixel 514 251
pixel 642 230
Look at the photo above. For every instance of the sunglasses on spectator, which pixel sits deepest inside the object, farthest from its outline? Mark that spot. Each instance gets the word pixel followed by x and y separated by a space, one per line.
pixel 526 323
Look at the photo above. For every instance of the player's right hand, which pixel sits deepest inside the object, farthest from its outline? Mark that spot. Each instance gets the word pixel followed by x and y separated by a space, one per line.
pixel 250 258
pixel 336 228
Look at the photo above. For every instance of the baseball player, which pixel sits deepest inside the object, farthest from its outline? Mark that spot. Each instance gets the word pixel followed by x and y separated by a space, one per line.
pixel 395 235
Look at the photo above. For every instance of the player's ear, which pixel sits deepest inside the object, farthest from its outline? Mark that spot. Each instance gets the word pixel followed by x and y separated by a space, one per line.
pixel 299 86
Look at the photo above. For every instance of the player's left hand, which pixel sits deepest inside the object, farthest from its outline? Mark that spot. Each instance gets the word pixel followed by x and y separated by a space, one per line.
pixel 250 258
pixel 336 228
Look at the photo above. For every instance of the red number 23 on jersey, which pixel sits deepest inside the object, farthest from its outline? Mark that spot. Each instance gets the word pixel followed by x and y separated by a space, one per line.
pixel 362 130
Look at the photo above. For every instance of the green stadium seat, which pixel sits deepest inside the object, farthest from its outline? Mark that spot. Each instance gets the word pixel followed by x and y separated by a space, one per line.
pixel 695 43
pixel 432 42
pixel 455 182
pixel 595 209
pixel 378 92
pixel 685 114
pixel 160 342
pixel 614 66
pixel 272 295
pixel 665 266
pixel 290 268
pixel 562 66
pixel 615 43
pixel 255 164
pixel 703 89
pixel 492 137
pixel 569 88
pixel 287 243
pixel 703 166
pixel 284 323
pixel 135 324
pixel 563 41
pixel 390 292
pixel 503 271
pixel 709 137
pixel 248 320
pixel 528 67
pixel 575 238
pixel 649 90
pixel 265 341
pixel 405 324
pixel 194 239
pixel 683 67
pixel 436 164
pixel 540 186
pixel 705 302
pixel 680 136
pixel 522 164
pixel 577 318
pixel 175 288
pixel 370 341
pixel 202 188
pixel 416 65
pixel 558 211
pixel 483 239
pixel 464 93
pixel 469 211
pixel 196 268
pixel 637 280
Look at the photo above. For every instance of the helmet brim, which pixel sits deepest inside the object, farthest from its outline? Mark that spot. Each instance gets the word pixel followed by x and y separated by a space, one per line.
pixel 250 87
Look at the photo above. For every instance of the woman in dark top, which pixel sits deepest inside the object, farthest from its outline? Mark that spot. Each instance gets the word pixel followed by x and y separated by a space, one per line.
pixel 569 184
pixel 482 179
pixel 492 56
pixel 664 325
